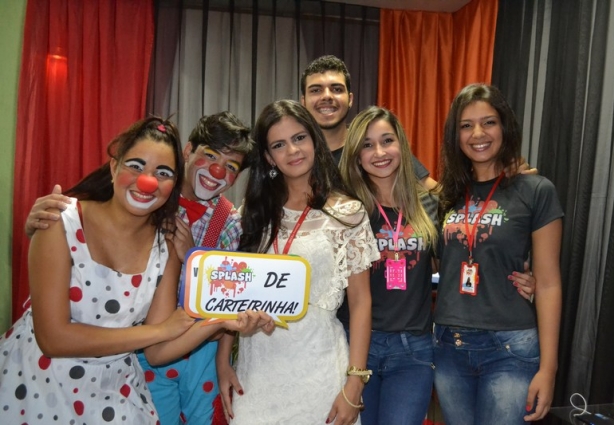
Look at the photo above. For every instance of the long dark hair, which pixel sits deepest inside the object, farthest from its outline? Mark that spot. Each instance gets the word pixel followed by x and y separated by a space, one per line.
pixel 98 185
pixel 456 167
pixel 265 196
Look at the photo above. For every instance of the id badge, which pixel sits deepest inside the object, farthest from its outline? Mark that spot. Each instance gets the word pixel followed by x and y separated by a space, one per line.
pixel 395 274
pixel 469 278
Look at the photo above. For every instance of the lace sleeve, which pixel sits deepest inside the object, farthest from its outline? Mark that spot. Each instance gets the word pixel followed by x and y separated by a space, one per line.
pixel 361 247
pixel 358 248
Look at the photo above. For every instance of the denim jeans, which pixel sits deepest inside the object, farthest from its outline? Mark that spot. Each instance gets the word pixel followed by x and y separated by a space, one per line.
pixel 482 377
pixel 399 391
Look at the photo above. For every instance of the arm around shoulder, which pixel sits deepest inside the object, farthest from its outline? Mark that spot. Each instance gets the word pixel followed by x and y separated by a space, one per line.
pixel 46 210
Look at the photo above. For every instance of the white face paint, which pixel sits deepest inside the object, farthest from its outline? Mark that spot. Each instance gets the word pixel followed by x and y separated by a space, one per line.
pixel 140 200
pixel 206 186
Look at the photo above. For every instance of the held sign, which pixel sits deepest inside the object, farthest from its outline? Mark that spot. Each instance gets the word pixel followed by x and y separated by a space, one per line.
pixel 220 284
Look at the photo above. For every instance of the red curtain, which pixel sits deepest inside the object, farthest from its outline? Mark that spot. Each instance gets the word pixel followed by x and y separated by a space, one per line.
pixel 425 58
pixel 83 79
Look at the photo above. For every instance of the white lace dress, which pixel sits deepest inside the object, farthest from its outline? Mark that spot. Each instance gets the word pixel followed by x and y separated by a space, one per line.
pixel 294 375
pixel 36 389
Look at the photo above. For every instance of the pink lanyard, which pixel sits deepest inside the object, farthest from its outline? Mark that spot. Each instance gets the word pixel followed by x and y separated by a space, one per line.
pixel 471 242
pixel 395 235
pixel 293 234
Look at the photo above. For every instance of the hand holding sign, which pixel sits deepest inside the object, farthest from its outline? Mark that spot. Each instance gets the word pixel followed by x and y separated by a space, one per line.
pixel 250 321
pixel 220 284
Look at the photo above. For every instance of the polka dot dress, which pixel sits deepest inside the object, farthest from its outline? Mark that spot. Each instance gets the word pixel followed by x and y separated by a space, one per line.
pixel 35 389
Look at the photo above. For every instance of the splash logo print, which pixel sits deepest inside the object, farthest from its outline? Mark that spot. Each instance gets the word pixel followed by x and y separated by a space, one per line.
pixel 455 228
pixel 410 243
pixel 230 278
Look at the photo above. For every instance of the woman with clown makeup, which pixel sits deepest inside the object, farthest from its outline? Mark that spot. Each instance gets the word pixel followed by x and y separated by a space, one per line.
pixel 214 155
pixel 103 284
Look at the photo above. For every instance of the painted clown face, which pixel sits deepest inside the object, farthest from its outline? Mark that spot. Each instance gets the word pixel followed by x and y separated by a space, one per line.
pixel 145 177
pixel 209 172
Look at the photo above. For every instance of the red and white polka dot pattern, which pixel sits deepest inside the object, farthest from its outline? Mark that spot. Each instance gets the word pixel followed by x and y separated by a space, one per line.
pixel 35 389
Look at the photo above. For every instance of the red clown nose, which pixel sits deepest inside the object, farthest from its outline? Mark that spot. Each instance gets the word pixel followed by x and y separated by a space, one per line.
pixel 217 171
pixel 146 183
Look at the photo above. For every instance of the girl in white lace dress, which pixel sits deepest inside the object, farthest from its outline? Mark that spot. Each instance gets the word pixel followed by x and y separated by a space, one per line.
pixel 295 204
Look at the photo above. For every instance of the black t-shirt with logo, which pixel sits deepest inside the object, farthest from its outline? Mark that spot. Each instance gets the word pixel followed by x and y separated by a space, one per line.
pixel 503 239
pixel 396 310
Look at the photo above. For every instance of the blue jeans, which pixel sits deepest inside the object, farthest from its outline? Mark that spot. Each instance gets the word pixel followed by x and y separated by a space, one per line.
pixel 399 391
pixel 482 377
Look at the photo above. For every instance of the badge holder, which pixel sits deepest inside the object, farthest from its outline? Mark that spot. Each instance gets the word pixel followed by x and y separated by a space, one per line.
pixel 469 278
pixel 396 273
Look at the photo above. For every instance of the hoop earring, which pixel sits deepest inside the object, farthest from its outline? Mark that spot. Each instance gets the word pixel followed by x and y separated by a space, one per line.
pixel 273 173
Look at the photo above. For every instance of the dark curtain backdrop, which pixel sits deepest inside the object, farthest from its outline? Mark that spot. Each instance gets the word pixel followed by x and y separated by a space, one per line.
pixel 240 55
pixel 550 59
pixel 553 60
pixel 83 79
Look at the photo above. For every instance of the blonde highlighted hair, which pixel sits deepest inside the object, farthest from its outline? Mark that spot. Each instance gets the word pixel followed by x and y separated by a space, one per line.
pixel 407 191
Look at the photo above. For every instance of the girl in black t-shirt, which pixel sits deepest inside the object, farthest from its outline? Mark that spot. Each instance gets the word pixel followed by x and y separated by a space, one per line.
pixel 495 353
pixel 376 164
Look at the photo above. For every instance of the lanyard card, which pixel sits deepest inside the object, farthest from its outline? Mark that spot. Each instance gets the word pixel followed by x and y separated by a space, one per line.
pixel 469 278
pixel 395 274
